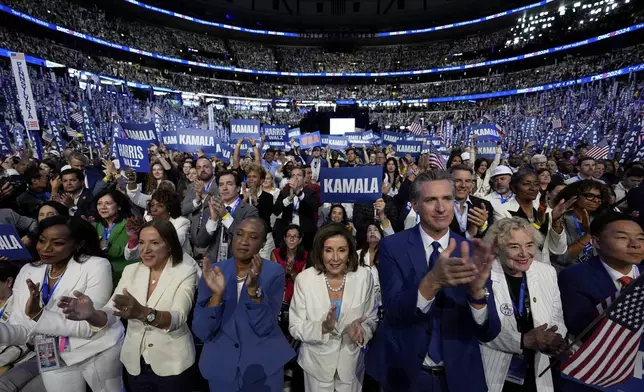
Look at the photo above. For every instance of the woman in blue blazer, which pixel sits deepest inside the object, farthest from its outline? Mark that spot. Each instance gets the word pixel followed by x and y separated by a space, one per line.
pixel 238 303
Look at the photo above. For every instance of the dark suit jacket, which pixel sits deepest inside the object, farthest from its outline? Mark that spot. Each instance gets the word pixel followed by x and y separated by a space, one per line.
pixel 583 286
pixel 400 345
pixel 212 241
pixel 475 202
pixel 635 200
pixel 306 211
pixel 265 207
pixel 85 204
pixel 29 202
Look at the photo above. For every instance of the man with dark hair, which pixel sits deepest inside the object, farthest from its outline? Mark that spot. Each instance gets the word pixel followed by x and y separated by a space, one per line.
pixel 298 204
pixel 222 214
pixel 632 179
pixel 352 157
pixel 36 193
pixel 619 242
pixel 437 298
pixel 316 162
pixel 77 198
pixel 472 215
pixel 586 166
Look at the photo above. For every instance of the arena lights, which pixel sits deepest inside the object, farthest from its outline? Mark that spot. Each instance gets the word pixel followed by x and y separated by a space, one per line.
pixel 317 74
pixel 321 35
pixel 416 102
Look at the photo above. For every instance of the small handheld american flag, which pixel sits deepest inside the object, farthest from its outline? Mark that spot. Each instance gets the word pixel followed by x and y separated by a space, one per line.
pixel 608 356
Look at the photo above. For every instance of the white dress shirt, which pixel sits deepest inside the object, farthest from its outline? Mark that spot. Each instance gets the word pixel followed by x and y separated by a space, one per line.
pixel 296 211
pixel 424 305
pixel 211 225
pixel 316 163
pixel 616 275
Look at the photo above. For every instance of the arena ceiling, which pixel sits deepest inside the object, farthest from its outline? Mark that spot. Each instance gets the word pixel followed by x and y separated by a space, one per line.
pixel 339 15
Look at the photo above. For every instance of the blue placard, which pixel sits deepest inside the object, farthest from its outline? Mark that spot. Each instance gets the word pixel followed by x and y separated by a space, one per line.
pixel 482 130
pixel 294 133
pixel 5 143
pixel 134 154
pixel 223 152
pixel 11 246
pixel 244 128
pixel 392 138
pixel 310 140
pixel 338 142
pixel 144 131
pixel 362 184
pixel 404 147
pixel 486 147
pixel 276 135
pixel 358 138
pixel 189 140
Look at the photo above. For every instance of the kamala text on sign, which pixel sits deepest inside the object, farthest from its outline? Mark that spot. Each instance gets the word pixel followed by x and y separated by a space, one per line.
pixel 11 246
pixel 404 147
pixel 144 131
pixel 362 184
pixel 244 129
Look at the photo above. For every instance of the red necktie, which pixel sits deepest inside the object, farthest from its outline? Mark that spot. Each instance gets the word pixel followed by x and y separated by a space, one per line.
pixel 625 281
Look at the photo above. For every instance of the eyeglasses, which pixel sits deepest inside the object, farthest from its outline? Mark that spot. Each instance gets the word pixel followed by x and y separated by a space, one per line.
pixel 592 196
pixel 292 237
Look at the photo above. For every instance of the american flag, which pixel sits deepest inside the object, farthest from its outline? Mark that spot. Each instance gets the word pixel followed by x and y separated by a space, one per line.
pixel 608 356
pixel 556 123
pixel 158 111
pixel 416 128
pixel 600 151
pixel 77 116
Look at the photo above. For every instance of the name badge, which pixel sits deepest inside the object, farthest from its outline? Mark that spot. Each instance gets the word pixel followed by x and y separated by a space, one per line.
pixel 223 251
pixel 47 353
pixel 516 373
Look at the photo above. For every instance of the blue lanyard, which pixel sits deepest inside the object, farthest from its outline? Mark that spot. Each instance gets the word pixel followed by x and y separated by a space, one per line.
pixel 581 232
pixel 207 187
pixel 504 200
pixel 234 206
pixel 3 309
pixel 296 203
pixel 521 308
pixel 106 232
pixel 46 293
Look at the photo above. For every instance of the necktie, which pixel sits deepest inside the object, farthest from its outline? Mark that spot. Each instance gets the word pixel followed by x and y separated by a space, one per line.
pixel 229 209
pixel 435 254
pixel 434 351
pixel 625 281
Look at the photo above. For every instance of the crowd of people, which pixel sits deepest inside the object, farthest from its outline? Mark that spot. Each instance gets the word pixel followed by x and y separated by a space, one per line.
pixel 119 28
pixel 242 268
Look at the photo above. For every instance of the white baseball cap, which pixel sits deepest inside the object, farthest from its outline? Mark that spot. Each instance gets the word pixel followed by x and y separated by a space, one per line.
pixel 501 170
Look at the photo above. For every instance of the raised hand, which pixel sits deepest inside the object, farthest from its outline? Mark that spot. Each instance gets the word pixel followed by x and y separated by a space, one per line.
pixel 476 218
pixel 563 207
pixel 128 307
pixel 217 207
pixel 214 278
pixel 199 189
pixel 482 259
pixel 32 307
pixel 585 222
pixel 252 279
pixel 357 332
pixel 328 324
pixel 79 308
pixel 55 183
pixel 452 271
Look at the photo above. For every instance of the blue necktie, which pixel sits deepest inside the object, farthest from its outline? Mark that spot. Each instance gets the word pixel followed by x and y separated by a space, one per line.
pixel 435 339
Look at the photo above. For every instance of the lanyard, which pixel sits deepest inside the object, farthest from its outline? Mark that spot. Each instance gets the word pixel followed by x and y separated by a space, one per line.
pixel 521 306
pixel 46 293
pixel 234 206
pixel 207 187
pixel 4 307
pixel 505 199
pixel 296 204
pixel 581 232
pixel 315 163
pixel 106 232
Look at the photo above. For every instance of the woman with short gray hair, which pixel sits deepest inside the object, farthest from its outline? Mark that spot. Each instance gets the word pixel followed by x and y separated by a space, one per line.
pixel 527 298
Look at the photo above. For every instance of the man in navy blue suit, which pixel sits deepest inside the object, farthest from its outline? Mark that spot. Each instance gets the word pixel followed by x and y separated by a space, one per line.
pixel 437 300
pixel 619 241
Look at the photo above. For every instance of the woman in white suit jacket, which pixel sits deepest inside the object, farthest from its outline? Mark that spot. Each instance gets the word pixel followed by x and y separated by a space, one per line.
pixel 333 313
pixel 530 330
pixel 69 263
pixel 156 296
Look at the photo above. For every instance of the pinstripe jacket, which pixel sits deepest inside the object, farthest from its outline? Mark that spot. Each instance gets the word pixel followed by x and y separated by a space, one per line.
pixel 546 307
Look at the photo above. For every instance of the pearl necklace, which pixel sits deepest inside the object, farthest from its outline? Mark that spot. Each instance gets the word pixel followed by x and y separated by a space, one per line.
pixel 54 277
pixel 241 278
pixel 328 285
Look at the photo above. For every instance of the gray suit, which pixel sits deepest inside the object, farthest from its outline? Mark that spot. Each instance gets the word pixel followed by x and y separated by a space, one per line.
pixel 193 213
pixel 212 241
pixel 22 223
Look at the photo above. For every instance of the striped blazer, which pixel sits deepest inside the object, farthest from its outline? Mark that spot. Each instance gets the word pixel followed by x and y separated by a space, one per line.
pixel 546 307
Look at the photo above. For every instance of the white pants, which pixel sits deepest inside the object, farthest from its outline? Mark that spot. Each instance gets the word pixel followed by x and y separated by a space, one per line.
pixel 267 249
pixel 312 384
pixel 103 373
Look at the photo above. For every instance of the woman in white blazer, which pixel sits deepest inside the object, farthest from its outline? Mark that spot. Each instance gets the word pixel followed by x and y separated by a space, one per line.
pixel 333 313
pixel 164 204
pixel 525 186
pixel 155 296
pixel 527 299
pixel 70 262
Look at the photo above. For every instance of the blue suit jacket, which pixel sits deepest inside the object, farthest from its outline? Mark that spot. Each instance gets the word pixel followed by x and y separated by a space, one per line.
pixel 583 286
pixel 399 348
pixel 242 334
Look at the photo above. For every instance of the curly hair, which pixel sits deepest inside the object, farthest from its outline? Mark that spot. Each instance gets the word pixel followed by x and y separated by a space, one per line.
pixel 169 199
pixel 583 186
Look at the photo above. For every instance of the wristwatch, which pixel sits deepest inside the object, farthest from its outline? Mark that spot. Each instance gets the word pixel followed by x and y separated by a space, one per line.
pixel 151 317
pixel 479 301
pixel 258 293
